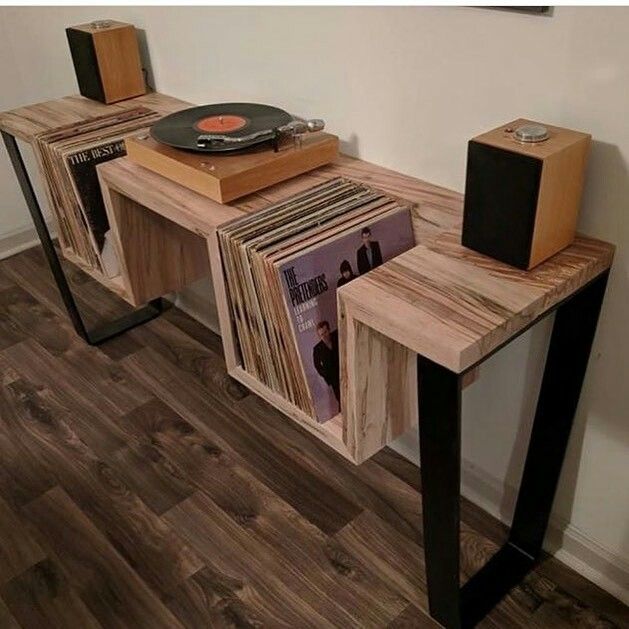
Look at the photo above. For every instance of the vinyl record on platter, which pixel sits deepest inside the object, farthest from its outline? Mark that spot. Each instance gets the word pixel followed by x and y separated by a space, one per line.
pixel 235 120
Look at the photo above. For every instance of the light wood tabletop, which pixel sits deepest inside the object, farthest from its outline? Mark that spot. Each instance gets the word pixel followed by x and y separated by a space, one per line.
pixel 26 123
pixel 440 299
pixel 455 306
pixel 438 208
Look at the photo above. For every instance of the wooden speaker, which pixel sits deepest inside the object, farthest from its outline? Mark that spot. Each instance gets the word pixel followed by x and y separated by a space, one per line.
pixel 106 60
pixel 523 191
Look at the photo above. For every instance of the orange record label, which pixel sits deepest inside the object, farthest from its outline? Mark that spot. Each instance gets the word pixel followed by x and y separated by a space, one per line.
pixel 221 124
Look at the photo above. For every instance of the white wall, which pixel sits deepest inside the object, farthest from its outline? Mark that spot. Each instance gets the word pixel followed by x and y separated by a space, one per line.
pixel 406 88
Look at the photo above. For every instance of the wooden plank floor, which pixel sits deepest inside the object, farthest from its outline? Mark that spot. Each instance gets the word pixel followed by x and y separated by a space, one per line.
pixel 141 487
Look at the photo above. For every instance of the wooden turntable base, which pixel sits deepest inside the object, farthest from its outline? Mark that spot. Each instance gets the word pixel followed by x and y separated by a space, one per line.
pixel 225 177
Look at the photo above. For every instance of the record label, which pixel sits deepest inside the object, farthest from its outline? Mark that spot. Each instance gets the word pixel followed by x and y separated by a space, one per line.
pixel 221 124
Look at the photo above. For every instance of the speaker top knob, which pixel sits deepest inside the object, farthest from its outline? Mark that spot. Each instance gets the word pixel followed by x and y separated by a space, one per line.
pixel 531 133
pixel 98 25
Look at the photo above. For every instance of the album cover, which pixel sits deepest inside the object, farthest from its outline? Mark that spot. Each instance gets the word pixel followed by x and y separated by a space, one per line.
pixel 310 282
pixel 82 167
pixel 68 157
pixel 273 261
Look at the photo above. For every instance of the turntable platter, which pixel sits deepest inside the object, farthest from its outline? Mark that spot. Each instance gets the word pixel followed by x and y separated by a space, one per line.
pixel 246 123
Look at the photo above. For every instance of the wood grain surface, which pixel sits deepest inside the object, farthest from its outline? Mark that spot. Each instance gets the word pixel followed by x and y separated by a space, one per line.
pixel 379 387
pixel 354 434
pixel 440 209
pixel 156 256
pixel 455 306
pixel 119 64
pixel 27 122
pixel 140 487
pixel 559 200
pixel 225 177
pixel 439 299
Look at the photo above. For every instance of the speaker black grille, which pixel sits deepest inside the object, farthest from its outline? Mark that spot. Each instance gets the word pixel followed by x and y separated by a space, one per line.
pixel 501 191
pixel 85 64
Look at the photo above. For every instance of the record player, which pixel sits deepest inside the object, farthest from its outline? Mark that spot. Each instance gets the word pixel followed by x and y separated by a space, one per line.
pixel 228 150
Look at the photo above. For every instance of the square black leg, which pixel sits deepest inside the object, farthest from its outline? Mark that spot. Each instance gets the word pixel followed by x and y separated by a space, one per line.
pixel 103 332
pixel 439 393
pixel 439 397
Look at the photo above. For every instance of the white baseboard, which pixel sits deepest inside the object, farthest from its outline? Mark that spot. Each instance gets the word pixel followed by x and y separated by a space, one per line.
pixel 20 239
pixel 17 241
pixel 570 545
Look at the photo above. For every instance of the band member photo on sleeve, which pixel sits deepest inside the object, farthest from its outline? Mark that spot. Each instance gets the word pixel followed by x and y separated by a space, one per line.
pixel 347 274
pixel 310 280
pixel 325 356
pixel 368 255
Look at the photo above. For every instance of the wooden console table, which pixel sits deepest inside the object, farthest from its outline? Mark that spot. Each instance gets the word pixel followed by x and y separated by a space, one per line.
pixel 410 331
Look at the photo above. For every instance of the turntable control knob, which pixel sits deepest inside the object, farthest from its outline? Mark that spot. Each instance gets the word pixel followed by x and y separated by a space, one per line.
pixel 316 124
pixel 98 25
pixel 531 133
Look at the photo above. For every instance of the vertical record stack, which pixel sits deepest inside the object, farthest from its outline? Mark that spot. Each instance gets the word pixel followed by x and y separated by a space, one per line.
pixel 283 266
pixel 68 157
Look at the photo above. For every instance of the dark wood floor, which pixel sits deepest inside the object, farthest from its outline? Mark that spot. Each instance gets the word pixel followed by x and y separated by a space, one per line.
pixel 140 487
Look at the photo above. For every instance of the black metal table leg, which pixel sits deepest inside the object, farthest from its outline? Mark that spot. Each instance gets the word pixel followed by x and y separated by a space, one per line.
pixel 100 333
pixel 440 458
pixel 439 398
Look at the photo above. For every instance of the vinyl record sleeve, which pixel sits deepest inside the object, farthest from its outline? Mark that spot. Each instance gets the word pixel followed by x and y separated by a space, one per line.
pixel 307 228
pixel 310 280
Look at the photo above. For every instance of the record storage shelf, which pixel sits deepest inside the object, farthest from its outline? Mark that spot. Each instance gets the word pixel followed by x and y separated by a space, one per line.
pixel 153 218
pixel 165 238
pixel 439 300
